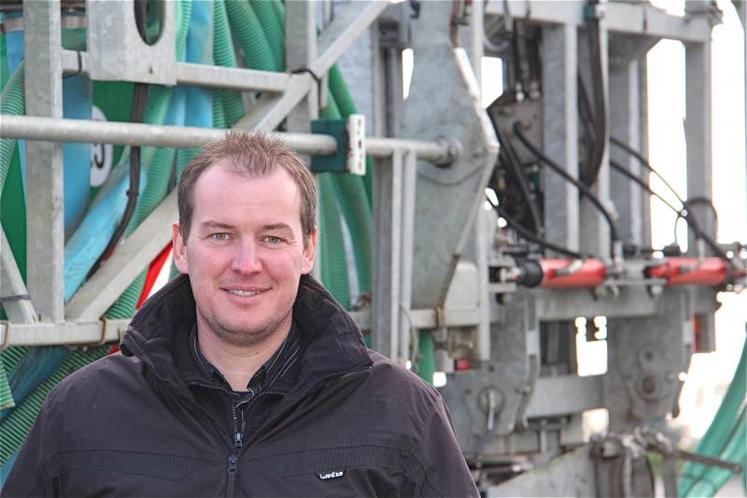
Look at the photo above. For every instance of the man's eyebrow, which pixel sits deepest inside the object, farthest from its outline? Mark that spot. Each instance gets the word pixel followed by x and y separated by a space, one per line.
pixel 277 226
pixel 215 224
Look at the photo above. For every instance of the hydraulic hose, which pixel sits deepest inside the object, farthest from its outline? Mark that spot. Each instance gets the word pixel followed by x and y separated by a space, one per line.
pixel 614 234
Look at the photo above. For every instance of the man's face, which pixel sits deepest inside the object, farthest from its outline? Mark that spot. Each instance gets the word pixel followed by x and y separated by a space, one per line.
pixel 244 254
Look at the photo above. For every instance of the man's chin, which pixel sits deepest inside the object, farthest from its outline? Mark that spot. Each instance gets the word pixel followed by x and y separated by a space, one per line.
pixel 242 335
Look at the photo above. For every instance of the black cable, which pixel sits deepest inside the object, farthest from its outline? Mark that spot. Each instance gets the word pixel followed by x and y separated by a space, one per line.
pixel 518 171
pixel 639 181
pixel 614 234
pixel 684 214
pixel 527 234
pixel 646 164
pixel 681 213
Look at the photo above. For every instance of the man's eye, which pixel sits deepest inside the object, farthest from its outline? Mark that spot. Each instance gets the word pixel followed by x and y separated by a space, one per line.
pixel 271 239
pixel 220 236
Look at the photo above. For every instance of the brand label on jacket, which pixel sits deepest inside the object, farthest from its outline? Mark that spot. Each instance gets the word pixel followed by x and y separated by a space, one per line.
pixel 334 474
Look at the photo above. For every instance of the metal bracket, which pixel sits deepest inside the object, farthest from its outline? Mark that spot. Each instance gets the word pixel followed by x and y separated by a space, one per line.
pixel 117 52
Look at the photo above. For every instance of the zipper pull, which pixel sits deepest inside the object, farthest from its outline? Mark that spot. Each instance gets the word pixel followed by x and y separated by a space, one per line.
pixel 232 463
pixel 238 440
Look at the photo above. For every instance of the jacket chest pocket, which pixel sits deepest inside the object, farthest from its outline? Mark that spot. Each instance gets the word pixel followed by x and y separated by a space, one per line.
pixel 125 473
pixel 345 471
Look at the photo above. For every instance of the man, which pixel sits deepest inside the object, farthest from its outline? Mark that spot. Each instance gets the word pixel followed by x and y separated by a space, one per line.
pixel 243 376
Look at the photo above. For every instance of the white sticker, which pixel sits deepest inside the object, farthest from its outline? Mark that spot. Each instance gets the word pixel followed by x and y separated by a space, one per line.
pixel 101 155
pixel 330 475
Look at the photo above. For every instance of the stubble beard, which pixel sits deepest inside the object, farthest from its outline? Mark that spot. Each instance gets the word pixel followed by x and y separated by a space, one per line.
pixel 243 338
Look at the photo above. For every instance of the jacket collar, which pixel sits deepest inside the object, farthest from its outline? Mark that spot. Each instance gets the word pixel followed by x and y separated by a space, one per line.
pixel 330 340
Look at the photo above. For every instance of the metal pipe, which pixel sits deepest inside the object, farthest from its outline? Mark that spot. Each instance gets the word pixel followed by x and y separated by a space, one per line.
pixel 87 131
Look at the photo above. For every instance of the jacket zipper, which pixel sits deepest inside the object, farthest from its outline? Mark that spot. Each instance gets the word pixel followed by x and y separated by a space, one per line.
pixel 238 442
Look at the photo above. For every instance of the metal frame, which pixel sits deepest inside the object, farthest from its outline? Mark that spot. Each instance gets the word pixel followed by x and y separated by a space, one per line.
pixel 293 96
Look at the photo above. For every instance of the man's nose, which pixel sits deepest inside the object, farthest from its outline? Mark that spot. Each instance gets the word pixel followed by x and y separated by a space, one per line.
pixel 246 259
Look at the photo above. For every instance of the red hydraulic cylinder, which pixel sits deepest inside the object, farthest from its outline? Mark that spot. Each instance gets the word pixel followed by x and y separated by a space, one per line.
pixel 708 272
pixel 572 274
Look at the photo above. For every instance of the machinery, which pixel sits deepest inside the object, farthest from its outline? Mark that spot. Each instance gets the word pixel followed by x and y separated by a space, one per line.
pixel 466 241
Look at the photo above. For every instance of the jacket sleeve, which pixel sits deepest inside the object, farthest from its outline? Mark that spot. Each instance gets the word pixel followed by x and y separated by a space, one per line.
pixel 446 472
pixel 30 475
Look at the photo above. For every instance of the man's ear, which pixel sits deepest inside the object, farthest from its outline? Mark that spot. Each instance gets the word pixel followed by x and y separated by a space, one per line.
pixel 308 251
pixel 180 249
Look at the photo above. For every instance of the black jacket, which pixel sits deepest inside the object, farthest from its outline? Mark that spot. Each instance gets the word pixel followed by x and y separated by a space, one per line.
pixel 354 424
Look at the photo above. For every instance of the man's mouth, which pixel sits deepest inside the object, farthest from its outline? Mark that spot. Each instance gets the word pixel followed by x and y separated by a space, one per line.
pixel 243 293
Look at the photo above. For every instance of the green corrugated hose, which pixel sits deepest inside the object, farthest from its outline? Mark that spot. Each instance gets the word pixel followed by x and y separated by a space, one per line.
pixel 331 246
pixel 11 103
pixel 427 356
pixel 720 440
pixel 228 106
pixel 273 28
pixel 251 36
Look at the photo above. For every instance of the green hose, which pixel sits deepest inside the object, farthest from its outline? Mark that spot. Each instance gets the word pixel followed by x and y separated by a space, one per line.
pixel 228 106
pixel 427 359
pixel 273 28
pixel 735 451
pixel 331 246
pixel 251 37
pixel 351 195
pixel 11 103
pixel 720 433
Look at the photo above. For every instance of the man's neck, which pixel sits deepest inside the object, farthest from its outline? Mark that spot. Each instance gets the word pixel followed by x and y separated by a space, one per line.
pixel 237 364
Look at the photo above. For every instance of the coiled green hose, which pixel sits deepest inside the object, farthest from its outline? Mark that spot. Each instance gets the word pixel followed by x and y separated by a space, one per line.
pixel 272 25
pixel 228 107
pixel 251 36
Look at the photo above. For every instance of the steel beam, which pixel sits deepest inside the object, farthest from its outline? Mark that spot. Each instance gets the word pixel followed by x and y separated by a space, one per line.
pixel 385 314
pixel 624 121
pixel 269 111
pixel 16 301
pixel 300 52
pixel 560 133
pixel 348 24
pixel 231 78
pixel 409 181
pixel 110 132
pixel 57 334
pixel 565 395
pixel 631 18
pixel 135 253
pixel 44 211
pixel 698 138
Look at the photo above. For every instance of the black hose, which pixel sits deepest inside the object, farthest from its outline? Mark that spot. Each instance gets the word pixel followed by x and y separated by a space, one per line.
pixel 646 164
pixel 614 234
pixel 527 234
pixel 512 161
pixel 589 174
pixel 681 213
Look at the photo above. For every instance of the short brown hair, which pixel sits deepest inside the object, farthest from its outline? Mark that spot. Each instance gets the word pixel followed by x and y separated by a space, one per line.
pixel 254 155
